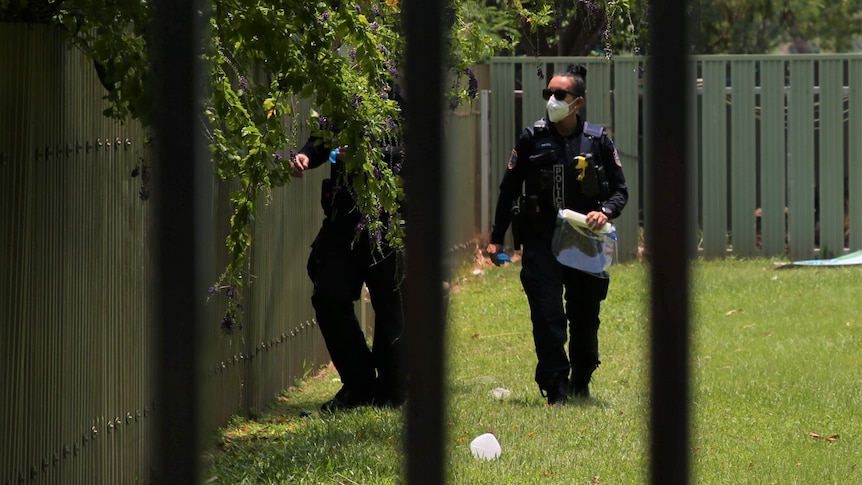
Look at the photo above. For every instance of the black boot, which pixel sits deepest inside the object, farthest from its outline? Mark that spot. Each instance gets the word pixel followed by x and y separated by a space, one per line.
pixel 579 386
pixel 346 399
pixel 388 395
pixel 556 389
pixel 581 390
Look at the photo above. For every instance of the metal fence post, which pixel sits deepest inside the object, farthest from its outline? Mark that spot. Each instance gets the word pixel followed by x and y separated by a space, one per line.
pixel 424 309
pixel 183 243
pixel 669 224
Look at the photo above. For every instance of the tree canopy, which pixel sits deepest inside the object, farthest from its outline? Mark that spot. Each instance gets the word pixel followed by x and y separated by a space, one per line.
pixel 763 26
pixel 557 27
pixel 596 27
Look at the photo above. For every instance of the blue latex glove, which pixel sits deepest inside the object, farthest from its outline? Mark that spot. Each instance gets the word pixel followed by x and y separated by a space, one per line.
pixel 502 258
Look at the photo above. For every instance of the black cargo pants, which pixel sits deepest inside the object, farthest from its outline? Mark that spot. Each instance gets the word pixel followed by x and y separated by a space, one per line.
pixel 548 284
pixel 338 266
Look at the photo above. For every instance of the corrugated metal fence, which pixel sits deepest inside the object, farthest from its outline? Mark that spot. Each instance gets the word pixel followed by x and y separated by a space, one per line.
pixel 73 273
pixel 777 159
pixel 76 397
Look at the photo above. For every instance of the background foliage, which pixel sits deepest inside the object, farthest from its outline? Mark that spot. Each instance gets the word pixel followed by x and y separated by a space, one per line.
pixel 762 26
pixel 605 27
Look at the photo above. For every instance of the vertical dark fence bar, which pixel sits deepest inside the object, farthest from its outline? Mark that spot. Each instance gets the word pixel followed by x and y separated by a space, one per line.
pixel 425 317
pixel 182 196
pixel 668 244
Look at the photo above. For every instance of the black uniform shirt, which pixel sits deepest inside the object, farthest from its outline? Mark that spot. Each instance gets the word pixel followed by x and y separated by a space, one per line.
pixel 342 201
pixel 531 152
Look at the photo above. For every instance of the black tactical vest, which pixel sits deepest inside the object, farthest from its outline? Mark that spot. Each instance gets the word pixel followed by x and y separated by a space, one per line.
pixel 555 178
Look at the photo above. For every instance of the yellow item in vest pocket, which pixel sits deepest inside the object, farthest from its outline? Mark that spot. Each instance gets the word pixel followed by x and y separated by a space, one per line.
pixel 582 162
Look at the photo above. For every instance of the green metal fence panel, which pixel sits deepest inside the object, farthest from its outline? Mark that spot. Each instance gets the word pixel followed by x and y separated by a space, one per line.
pixel 625 129
pixel 76 394
pixel 462 165
pixel 10 225
pixel 693 158
pixel 772 155
pixel 743 158
pixel 76 380
pixel 830 212
pixel 532 83
pixel 714 149
pixel 801 175
pixel 227 375
pixel 599 88
pixel 503 127
pixel 854 153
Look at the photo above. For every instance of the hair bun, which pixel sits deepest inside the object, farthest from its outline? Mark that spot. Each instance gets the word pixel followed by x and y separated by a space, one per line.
pixel 578 70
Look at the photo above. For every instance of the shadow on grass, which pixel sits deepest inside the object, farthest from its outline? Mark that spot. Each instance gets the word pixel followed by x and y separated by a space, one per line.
pixel 480 391
pixel 288 442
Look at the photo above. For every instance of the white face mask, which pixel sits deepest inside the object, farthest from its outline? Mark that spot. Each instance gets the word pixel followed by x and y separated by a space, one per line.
pixel 557 110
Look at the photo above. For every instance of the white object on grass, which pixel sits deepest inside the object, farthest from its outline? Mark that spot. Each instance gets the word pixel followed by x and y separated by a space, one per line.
pixel 486 447
pixel 500 393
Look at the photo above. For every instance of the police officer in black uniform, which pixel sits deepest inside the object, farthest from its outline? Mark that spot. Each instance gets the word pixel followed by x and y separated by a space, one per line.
pixel 548 161
pixel 343 257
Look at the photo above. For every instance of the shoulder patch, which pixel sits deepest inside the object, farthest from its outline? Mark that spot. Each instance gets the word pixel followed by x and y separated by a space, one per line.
pixel 616 156
pixel 593 130
pixel 513 160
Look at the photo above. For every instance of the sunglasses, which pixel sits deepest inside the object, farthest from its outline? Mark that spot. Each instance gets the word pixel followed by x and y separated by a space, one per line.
pixel 560 94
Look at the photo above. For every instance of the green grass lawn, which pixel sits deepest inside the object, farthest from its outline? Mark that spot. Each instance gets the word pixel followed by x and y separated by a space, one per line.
pixel 777 385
